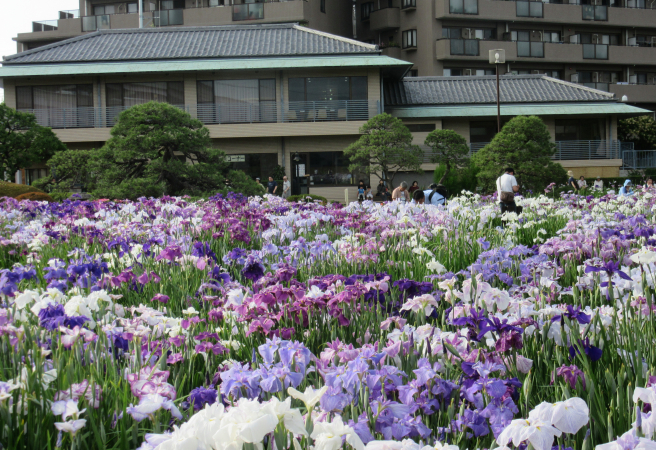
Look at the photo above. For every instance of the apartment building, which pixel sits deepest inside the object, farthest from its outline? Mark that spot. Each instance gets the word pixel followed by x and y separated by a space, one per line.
pixel 604 44
pixel 332 16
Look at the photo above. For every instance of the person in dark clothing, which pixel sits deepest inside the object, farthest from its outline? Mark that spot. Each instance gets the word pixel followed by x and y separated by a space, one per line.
pixel 272 186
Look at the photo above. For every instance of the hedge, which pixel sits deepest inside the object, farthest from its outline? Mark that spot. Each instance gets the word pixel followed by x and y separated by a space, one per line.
pixel 35 196
pixel 14 190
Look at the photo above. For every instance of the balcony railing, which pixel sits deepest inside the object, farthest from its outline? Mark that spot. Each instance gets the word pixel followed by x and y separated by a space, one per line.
pixel 595 12
pixel 167 17
pixel 69 14
pixel 529 9
pixel 569 150
pixel 93 23
pixel 595 51
pixel 638 159
pixel 44 25
pixel 466 47
pixel 530 49
pixel 51 25
pixel 250 11
pixel 264 112
pixel 596 85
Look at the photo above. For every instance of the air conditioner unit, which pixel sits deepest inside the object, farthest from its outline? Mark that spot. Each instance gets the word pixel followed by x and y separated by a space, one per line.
pixel 468 72
pixel 574 39
pixel 595 77
pixel 614 77
pixel 631 3
pixel 633 42
pixel 651 79
pixel 633 79
pixel 574 78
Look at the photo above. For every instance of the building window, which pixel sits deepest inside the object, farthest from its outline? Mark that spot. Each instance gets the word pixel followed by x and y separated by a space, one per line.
pixel 172 4
pixel 58 106
pixel 408 4
pixel 410 39
pixel 413 73
pixel 529 9
pixel 31 175
pixel 549 73
pixel 421 127
pixel 328 98
pixel 597 79
pixel 133 8
pixel 237 101
pixel 581 130
pixel 551 36
pixel 323 6
pixel 330 168
pixel 365 10
pixel 255 165
pixel 248 11
pixel 482 131
pixel 463 6
pixel 125 95
pixel 100 10
pixel 643 78
pixel 595 12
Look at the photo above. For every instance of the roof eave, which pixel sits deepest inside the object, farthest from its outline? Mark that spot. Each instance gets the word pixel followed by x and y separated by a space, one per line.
pixel 194 65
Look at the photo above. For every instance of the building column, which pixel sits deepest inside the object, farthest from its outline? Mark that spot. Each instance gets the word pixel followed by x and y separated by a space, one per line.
pixel 19 178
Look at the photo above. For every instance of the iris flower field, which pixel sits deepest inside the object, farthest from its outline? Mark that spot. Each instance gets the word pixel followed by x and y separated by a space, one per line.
pixel 258 324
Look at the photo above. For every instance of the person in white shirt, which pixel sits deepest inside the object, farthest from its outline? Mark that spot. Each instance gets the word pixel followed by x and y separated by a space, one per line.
pixel 432 196
pixel 599 183
pixel 506 187
pixel 582 183
pixel 286 187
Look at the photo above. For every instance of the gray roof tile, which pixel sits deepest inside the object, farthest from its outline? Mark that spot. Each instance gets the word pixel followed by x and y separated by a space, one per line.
pixel 232 41
pixel 482 89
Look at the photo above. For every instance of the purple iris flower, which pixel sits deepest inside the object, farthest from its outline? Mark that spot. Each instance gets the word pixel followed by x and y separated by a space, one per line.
pixel 496 325
pixel 594 353
pixel 334 400
pixel 201 396
pixel 500 414
pixel 253 270
pixel 574 312
pixel 571 374
pixel 610 268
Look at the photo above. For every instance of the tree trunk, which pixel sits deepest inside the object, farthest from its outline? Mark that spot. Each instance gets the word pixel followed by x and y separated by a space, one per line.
pixel 446 172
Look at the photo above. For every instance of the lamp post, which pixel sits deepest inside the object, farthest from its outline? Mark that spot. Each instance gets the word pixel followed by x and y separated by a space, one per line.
pixel 497 57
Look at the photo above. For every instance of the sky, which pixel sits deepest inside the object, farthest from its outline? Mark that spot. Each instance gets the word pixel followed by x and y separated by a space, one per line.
pixel 17 17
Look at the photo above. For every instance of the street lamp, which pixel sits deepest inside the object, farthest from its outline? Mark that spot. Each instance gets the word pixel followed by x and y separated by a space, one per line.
pixel 497 57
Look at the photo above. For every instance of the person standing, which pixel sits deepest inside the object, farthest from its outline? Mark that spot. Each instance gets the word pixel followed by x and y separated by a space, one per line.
pixel 401 193
pixel 272 186
pixel 599 183
pixel 286 187
pixel 433 197
pixel 507 186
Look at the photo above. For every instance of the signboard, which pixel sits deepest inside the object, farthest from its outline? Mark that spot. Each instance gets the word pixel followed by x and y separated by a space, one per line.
pixel 235 158
pixel 301 170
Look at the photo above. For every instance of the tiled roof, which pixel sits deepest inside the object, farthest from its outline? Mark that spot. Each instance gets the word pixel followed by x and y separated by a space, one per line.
pixel 482 90
pixel 234 41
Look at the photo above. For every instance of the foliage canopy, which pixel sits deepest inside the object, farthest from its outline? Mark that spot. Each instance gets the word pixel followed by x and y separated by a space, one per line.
pixel 524 144
pixel 23 142
pixel 384 149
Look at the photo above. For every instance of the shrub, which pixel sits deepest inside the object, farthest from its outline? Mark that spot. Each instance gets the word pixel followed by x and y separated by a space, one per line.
pixel 304 198
pixel 457 181
pixel 14 190
pixel 35 197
